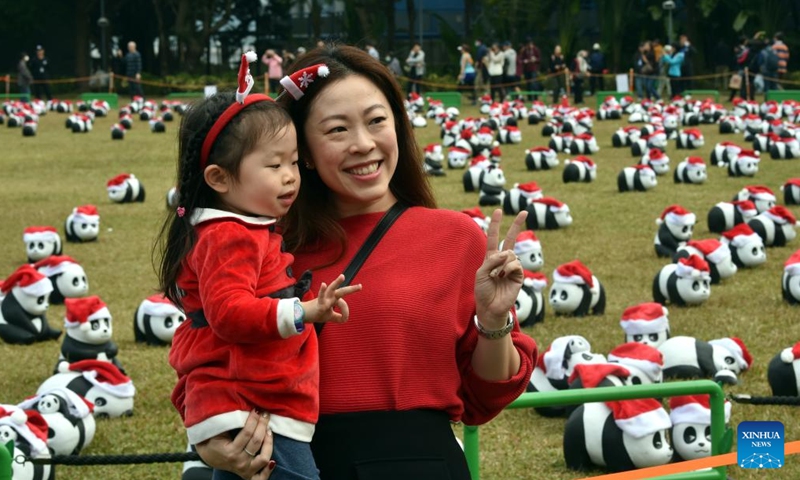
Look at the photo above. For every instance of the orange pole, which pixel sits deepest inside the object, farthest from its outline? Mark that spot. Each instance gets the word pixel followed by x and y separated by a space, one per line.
pixel 747 82
pixel 630 80
pixel 566 80
pixel 111 82
pixel 266 84
pixel 8 85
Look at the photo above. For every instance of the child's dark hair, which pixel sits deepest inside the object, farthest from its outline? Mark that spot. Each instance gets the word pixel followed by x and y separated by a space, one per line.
pixel 236 140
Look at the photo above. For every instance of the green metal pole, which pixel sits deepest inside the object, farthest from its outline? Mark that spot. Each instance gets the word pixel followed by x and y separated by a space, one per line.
pixel 472 450
pixel 6 457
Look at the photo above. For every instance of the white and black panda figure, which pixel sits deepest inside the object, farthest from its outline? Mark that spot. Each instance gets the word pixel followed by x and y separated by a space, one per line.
pixel 691 170
pixel 576 291
pixel 547 213
pixel 29 128
pixel 561 142
pixel 530 304
pixel 81 123
pixel 762 197
pixel 449 133
pixel 675 228
pixel 790 281
pixel 157 125
pixel 686 282
pixel 785 148
pixel 458 157
pixel 165 112
pixel 117 132
pixel 473 177
pixel 496 155
pixel 100 382
pixel 584 144
pixel 690 138
pixel 754 124
pixel 66 275
pixel 434 160
pixel 417 120
pixel 747 247
pixel 479 218
pixel 491 189
pixel 645 142
pixel 23 307
pixel 723 153
pixel 83 224
pixel 41 242
pixel 99 107
pixel 28 433
pixel 763 141
pixel 415 101
pixel 715 253
pixel 579 169
pixel 125 188
pixel 146 114
pixel 657 160
pixel 721 360
pixel 89 327
pixel 14 120
pixel 126 121
pixel 156 320
pixel 791 191
pixel 71 425
pixel 509 134
pixel 783 372
pixel 745 164
pixel 691 426
pixel 646 323
pixel 776 226
pixel 645 364
pixel 528 249
pixel 624 136
pixel 638 178
pixel 552 127
pixel 730 124
pixel 519 196
pixel 725 215
pixel 594 375
pixel 617 436
pixel 540 158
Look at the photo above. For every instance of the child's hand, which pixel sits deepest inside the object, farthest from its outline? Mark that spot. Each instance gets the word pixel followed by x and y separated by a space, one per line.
pixel 321 309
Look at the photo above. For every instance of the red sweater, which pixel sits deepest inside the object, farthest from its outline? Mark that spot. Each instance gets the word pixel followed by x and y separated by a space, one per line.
pixel 409 341
pixel 250 355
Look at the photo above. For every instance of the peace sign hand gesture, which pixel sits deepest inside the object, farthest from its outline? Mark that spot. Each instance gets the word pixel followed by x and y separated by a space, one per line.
pixel 499 279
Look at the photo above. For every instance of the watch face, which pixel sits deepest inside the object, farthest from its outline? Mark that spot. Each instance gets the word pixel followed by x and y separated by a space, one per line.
pixel 298 311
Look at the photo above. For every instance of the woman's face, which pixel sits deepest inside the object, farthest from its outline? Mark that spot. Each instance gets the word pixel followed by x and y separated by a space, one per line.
pixel 351 139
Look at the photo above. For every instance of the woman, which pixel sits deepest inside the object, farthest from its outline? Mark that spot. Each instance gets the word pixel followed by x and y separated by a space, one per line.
pixel 673 62
pixel 416 65
pixel 496 59
pixel 24 77
pixel 580 73
pixel 274 64
pixel 411 359
pixel 557 68
pixel 466 74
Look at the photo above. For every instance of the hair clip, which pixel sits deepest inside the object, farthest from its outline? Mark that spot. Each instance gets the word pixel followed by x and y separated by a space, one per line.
pixel 181 211
pixel 297 83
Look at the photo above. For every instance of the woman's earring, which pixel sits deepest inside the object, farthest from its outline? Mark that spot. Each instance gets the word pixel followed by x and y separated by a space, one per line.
pixel 308 165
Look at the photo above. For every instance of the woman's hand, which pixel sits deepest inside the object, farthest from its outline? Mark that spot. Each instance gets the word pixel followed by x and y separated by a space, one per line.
pixel 321 309
pixel 248 455
pixel 499 278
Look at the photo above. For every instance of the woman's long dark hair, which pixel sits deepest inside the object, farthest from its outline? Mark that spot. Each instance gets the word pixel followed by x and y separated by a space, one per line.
pixel 312 219
pixel 237 139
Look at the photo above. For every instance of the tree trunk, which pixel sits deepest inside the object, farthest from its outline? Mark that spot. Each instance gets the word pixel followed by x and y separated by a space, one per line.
pixel 316 19
pixel 82 14
pixel 163 39
pixel 469 7
pixel 412 17
pixel 390 26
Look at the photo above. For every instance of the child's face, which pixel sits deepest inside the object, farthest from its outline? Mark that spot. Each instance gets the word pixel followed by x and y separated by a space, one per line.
pixel 268 179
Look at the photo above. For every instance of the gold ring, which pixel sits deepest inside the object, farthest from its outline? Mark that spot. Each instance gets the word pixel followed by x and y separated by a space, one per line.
pixel 249 453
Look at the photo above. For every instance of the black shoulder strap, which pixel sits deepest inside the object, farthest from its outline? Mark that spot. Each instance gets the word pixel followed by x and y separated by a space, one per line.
pixel 368 246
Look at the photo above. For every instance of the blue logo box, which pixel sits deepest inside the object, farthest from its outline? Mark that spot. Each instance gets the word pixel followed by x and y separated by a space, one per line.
pixel 760 445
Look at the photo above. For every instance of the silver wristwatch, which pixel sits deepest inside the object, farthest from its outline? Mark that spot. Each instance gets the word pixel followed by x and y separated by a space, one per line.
pixel 495 334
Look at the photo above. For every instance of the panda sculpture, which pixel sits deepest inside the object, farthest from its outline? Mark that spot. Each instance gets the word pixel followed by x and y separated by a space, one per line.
pixel 41 242
pixel 645 142
pixel 762 197
pixel 617 436
pixel 723 153
pixel 639 178
pixel 157 125
pixel 657 160
pixel 721 360
pixel 584 144
pixel 540 158
pixel 625 136
pixel 71 425
pixel 644 363
pixel 691 426
pixel 509 134
pixel 730 124
pixel 126 122
pixel 675 227
pixel 457 157
pixel 89 327
pixel 579 169
pixel 552 127
pixel 686 282
pixel 156 320
pixel 479 218
pixel 745 164
pixel 560 142
pixel 473 177
pixel 491 187
pixel 747 247
pixel 784 148
pixel 791 191
pixel 23 307
pixel 547 213
pixel 28 432
pixel 790 281
pixel 530 303
pixel 528 249
pixel 776 226
pixel 100 382
pixel 434 160
pixel 29 128
pixel 66 275
pixel 783 372
pixel 125 188
pixel 690 138
pixel 715 253
pixel 597 375
pixel 117 131
pixel 576 291
pixel 83 224
pixel 725 215
pixel 646 323
pixel 519 196
pixel 691 170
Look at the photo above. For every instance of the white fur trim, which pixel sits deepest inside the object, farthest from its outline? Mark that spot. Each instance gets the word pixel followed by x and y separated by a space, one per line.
pixel 554 358
pixel 121 390
pixel 77 406
pixel 18 421
pixel 690 413
pixel 645 423
pixel 775 218
pixel 158 309
pixel 38 288
pixel 294 429
pixel 651 369
pixel 49 271
pixel 687 271
pixel 562 208
pixel 741 240
pixel 290 87
pixel 536 284
pixel 792 269
pixel 251 57
pixel 720 254
pixel 634 326
pixel 759 195
pixel 732 347
pixel 526 246
pixel 573 279
pixel 286 317
pixel 787 356
pixel 40 236
pixel 683 220
pixel 201 215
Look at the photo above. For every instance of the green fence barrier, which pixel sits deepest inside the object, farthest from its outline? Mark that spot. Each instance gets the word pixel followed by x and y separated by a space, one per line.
pixel 601 96
pixel 781 95
pixel 721 439
pixel 111 98
pixel 9 96
pixel 449 99
pixel 697 94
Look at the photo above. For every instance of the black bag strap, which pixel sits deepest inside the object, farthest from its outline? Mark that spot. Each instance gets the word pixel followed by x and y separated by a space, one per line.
pixel 368 246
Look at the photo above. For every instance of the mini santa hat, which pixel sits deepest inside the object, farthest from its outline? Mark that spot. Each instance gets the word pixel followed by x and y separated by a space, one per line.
pixel 433 102
pixel 757 192
pixel 496 151
pixel 586 161
pixel 80 311
pixel 466 134
pixel 77 405
pixel 591 374
pixel 525 242
pixel 554 205
pixel 575 273
pixel 645 318
pixel 552 360
pixel 692 266
pixel 298 82
pixel 738 350
pixel 85 213
pixel 693 132
pixel 29 280
pixel 542 150
pixel 657 157
pixel 479 161
pixel 484 130
pixel 638 355
pixel 459 153
pixel 640 417
pixel 29 425
pixel 695 163
pixel 535 280
pixel 781 216
pixel 433 148
pixel 792 182
pixel 158 306
pixel 40 234
pixel 712 249
pixel 741 234
pixel 645 170
pixel 677 215
pixel 789 355
pixel 529 190
pixel 105 376
pixel 119 182
pixel 746 207
pixel 54 264
pixel 414 96
pixel 792 265
pixel 449 125
pixel 748 156
pixel 693 409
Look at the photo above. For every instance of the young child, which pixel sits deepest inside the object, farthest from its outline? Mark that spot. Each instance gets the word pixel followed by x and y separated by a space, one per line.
pixel 245 346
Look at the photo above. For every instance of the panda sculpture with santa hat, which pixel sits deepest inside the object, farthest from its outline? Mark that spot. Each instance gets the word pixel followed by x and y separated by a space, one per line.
pixel 782 148
pixel 71 425
pixel 478 217
pixel 540 158
pixel 723 153
pixel 473 177
pixel 100 382
pixel 720 360
pixel 491 187
pixel 690 138
pixel 457 157
pixel 41 242
pixel 675 227
pixel 686 282
pixel 716 253
pixel 657 160
pixel 691 170
pixel 776 226
pixel 644 363
pixel 576 291
pixel 547 213
pixel 762 197
pixel 519 196
pixel 66 275
pixel 23 307
pixel 89 327
pixel 745 164
pixel 27 431
pixel 646 323
pixel 726 215
pixel 747 247
pixel 125 188
pixel 579 169
pixel 434 160
pixel 530 304
pixel 783 372
pixel 791 191
pixel 790 281
pixel 156 320
pixel 83 224
pixel 638 178
pixel 624 136
pixel 691 426
pixel 528 250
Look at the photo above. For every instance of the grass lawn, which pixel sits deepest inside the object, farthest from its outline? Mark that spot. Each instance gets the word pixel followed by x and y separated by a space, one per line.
pixel 44 177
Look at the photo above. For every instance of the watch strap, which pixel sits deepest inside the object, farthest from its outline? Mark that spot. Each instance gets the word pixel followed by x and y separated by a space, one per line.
pixel 495 334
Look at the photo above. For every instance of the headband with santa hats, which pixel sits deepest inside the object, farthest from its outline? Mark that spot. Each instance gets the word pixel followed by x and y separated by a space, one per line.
pixel 591 374
pixel 738 350
pixel 694 409
pixel 297 83
pixel 789 355
pixel 693 266
pixel 525 242
pixel 535 280
pixel 54 264
pixel 529 190
pixel 695 163
pixel 553 205
pixel 40 234
pixel 552 360
pixel 105 376
pixel 81 311
pixel 120 182
pixel 657 157
pixel 158 306
pixel 29 425
pixel 640 417
pixel 757 192
pixel 29 281
pixel 638 355
pixel 586 161
pixel 644 319
pixel 575 273
pixel 77 405
pixel 712 249
pixel 746 207
pixel 677 215
pixel 782 216
pixel 792 265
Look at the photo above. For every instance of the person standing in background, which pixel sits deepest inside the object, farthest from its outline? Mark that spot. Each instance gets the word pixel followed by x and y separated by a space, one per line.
pixel 510 73
pixel 496 59
pixel 393 64
pixel 783 56
pixel 531 59
pixel 41 89
pixel 687 69
pixel 557 68
pixel 133 70
pixel 482 74
pixel 373 52
pixel 274 64
pixel 579 73
pixel 597 63
pixel 24 77
pixel 466 73
pixel 416 63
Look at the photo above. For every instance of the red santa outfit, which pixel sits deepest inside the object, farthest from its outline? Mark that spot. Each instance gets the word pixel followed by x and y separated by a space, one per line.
pixel 241 350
